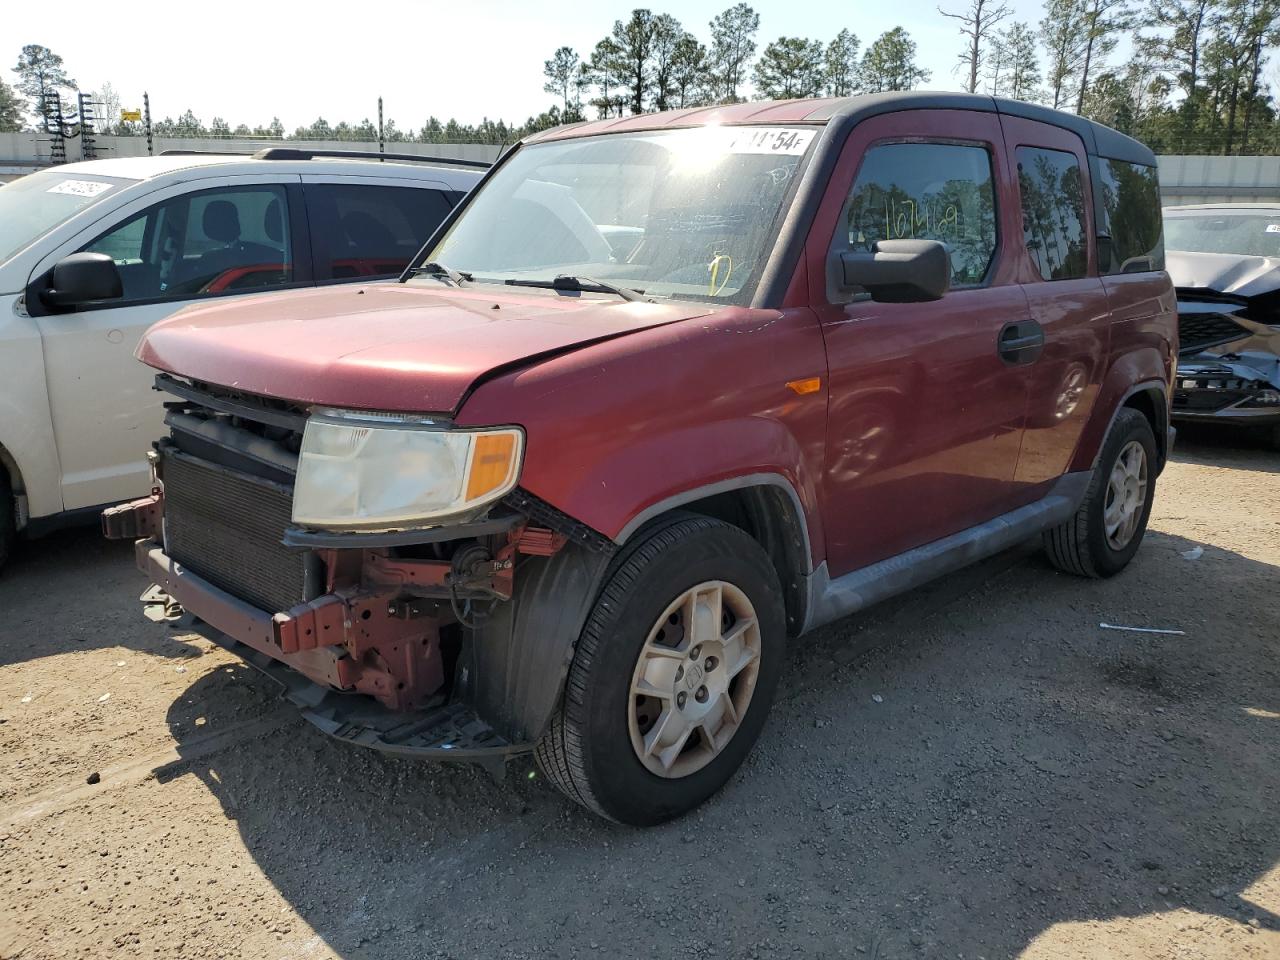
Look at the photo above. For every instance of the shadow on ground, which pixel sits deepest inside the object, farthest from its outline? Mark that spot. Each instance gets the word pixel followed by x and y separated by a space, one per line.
pixel 951 773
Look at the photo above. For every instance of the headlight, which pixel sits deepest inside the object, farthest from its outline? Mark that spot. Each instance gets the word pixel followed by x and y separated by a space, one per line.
pixel 374 472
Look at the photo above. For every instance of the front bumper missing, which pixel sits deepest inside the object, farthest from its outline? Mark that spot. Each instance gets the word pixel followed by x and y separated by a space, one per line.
pixel 325 682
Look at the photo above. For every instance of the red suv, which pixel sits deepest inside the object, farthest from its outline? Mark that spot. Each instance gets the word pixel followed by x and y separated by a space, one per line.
pixel 660 394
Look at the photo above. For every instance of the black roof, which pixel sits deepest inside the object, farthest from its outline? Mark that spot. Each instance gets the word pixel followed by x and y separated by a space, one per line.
pixel 1098 139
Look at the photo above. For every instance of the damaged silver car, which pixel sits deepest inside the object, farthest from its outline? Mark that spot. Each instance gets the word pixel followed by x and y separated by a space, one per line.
pixel 1225 263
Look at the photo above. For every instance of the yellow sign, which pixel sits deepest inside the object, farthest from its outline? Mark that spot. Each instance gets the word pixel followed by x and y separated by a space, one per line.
pixel 131 116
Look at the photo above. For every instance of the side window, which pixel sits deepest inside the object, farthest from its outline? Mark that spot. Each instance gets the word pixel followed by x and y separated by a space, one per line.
pixel 370 231
pixel 1130 194
pixel 215 241
pixel 927 191
pixel 1052 189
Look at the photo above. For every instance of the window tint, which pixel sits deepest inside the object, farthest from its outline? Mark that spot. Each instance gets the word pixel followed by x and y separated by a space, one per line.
pixel 1052 189
pixel 927 191
pixel 202 244
pixel 1130 194
pixel 370 231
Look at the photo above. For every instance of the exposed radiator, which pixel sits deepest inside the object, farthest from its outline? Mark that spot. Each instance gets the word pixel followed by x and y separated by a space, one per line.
pixel 226 526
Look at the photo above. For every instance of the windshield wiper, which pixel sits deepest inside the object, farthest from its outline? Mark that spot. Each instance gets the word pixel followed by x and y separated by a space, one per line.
pixel 434 268
pixel 582 285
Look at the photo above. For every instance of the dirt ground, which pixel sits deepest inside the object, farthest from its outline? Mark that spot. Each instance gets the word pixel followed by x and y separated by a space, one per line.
pixel 977 770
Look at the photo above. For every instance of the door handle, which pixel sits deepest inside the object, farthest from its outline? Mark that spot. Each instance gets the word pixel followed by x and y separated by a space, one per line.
pixel 1020 342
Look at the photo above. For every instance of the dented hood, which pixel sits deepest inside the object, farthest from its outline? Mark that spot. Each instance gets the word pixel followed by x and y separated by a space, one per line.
pixel 387 346
pixel 1230 273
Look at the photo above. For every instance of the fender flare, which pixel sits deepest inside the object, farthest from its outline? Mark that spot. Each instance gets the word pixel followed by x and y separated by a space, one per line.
pixel 1162 428
pixel 773 480
pixel 1131 373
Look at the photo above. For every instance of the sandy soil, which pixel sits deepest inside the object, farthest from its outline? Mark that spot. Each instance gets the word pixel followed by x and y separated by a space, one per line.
pixel 1025 785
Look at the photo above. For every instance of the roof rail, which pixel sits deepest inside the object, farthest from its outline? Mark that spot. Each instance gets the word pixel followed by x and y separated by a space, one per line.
pixel 296 153
pixel 203 153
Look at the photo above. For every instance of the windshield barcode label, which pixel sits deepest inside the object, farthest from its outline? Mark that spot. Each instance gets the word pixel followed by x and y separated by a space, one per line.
pixel 79 188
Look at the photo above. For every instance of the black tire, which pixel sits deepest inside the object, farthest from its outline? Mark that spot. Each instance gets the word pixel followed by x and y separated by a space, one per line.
pixel 8 519
pixel 1080 545
pixel 587 749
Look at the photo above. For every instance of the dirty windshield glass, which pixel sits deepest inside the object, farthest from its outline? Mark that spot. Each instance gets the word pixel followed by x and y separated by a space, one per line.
pixel 33 205
pixel 680 213
pixel 1255 234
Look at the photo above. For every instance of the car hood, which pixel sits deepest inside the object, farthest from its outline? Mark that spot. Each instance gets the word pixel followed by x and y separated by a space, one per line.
pixel 417 346
pixel 1229 273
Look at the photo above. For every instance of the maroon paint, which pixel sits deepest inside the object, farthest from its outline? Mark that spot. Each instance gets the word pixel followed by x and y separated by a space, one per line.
pixel 625 424
pixel 925 418
pixel 1063 382
pixel 414 347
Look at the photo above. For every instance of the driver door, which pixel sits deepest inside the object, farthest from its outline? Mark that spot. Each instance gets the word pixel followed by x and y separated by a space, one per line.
pixel 187 247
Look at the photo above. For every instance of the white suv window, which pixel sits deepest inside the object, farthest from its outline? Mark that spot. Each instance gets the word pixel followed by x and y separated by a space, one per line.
pixel 202 244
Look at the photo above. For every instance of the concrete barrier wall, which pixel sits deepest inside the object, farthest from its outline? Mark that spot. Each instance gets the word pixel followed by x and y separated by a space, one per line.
pixel 23 152
pixel 1198 179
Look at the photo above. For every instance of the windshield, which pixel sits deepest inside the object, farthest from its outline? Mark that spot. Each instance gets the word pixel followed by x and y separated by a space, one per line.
pixel 1254 234
pixel 677 213
pixel 33 205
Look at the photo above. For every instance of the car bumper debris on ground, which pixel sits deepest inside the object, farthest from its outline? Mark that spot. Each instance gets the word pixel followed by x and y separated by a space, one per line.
pixel 976 769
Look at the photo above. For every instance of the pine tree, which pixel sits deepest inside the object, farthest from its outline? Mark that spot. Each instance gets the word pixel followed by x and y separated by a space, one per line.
pixel 790 67
pixel 733 44
pixel 890 63
pixel 841 62
pixel 976 24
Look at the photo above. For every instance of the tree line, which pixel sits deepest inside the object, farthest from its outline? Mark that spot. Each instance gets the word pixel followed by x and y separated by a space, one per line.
pixel 1191 82
pixel 1192 79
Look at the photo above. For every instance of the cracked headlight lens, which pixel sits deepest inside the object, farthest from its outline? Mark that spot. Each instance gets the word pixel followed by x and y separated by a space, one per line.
pixel 370 472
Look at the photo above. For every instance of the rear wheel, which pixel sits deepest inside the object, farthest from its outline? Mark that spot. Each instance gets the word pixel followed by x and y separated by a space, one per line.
pixel 8 519
pixel 673 676
pixel 1105 533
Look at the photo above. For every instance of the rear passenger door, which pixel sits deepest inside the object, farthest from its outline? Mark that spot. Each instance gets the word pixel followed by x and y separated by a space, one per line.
pixel 366 228
pixel 1058 266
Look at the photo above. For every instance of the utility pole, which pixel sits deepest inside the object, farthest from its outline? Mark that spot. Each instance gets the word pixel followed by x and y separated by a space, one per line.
pixel 146 120
pixel 382 143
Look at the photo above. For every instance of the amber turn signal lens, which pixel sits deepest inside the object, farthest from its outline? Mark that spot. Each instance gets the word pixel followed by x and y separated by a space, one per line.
pixel 808 385
pixel 492 461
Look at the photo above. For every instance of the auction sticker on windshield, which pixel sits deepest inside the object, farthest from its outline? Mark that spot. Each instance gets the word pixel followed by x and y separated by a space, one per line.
pixel 787 141
pixel 79 188
pixel 1273 228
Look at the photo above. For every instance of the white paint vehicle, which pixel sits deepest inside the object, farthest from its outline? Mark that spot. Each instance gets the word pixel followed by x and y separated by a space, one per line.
pixel 91 254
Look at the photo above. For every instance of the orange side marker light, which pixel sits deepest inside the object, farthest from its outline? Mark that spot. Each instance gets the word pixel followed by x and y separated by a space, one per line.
pixel 805 386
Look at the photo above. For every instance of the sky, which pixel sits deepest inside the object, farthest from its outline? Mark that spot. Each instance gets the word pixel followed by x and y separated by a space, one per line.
pixel 248 62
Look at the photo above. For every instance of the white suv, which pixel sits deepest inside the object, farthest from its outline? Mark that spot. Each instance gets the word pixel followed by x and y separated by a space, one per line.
pixel 91 254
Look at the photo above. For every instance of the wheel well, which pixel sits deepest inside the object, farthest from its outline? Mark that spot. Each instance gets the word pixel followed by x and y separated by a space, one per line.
pixel 1151 404
pixel 9 468
pixel 769 517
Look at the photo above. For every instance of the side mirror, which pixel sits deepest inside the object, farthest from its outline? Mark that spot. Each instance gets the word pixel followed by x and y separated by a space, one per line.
pixel 899 271
pixel 83 278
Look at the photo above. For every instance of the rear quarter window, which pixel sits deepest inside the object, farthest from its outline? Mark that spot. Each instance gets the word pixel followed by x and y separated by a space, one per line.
pixel 1053 216
pixel 1129 195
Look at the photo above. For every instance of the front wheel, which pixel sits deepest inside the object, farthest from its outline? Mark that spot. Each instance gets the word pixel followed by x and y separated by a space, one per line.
pixel 1105 533
pixel 673 675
